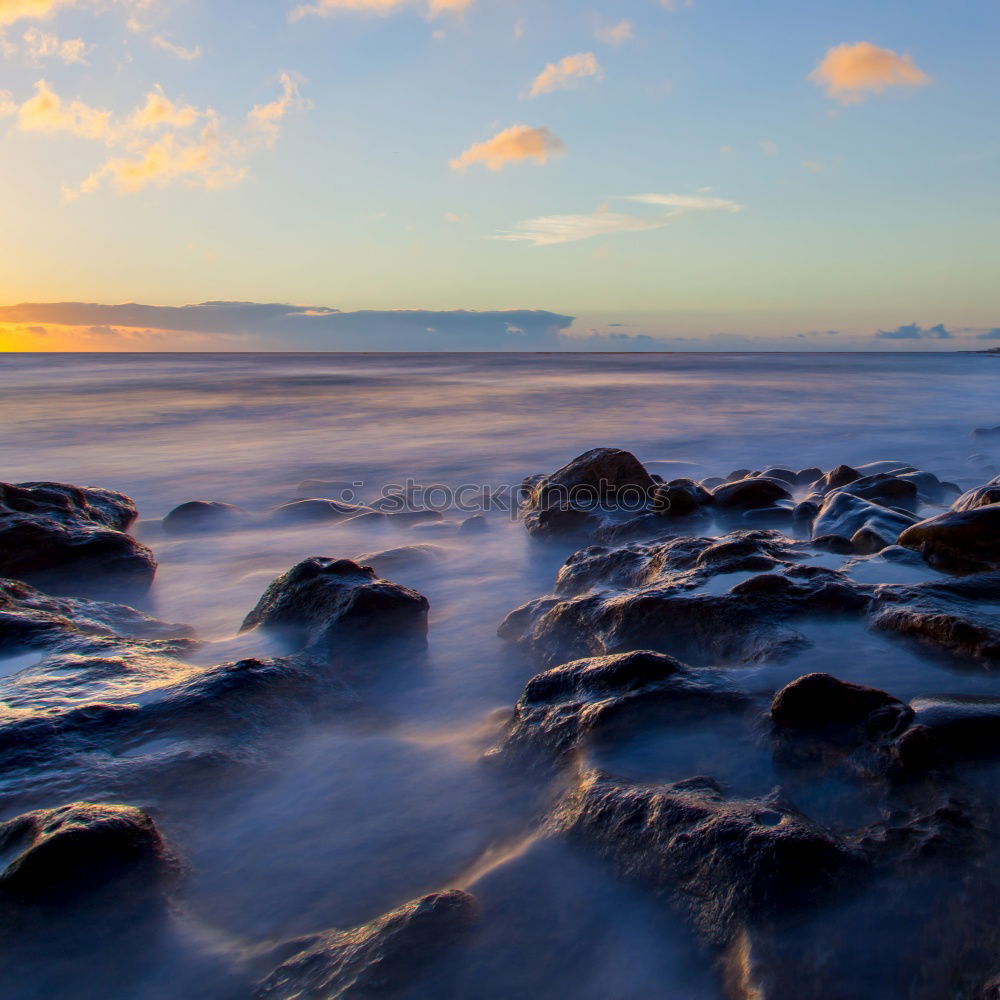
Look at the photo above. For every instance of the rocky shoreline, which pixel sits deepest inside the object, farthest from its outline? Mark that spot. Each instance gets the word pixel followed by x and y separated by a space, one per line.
pixel 673 585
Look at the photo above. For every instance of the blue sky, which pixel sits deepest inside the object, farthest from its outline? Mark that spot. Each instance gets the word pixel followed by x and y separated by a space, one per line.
pixel 783 205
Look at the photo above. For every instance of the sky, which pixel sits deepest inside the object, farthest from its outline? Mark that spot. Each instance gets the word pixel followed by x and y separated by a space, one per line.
pixel 499 174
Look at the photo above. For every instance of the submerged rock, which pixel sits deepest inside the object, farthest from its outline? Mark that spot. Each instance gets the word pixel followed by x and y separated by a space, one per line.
pixel 966 541
pixel 202 515
pixel 57 854
pixel 384 958
pixel 325 601
pixel 598 697
pixel 307 511
pixel 70 539
pixel 727 863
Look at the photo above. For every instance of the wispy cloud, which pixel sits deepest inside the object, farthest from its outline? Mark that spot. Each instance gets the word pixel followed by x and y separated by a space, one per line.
pixel 177 51
pixel 513 145
pixel 615 34
pixel 552 230
pixel 327 8
pixel 40 46
pixel 912 331
pixel 850 73
pixel 567 73
pixel 160 142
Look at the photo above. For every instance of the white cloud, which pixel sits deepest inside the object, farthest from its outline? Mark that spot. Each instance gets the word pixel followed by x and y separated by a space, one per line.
pixel 552 230
pixel 567 73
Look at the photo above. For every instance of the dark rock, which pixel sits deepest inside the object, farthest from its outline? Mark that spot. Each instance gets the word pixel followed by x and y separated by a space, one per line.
pixel 782 476
pixel 958 541
pixel 807 477
pixel 70 539
pixel 804 513
pixel 889 491
pixel 821 702
pixel 599 697
pixel 331 600
pixel 680 498
pixel 474 525
pixel 565 501
pixel 306 511
pixel 958 632
pixel 711 483
pixel 837 544
pixel 727 863
pixel 384 958
pixel 738 474
pixel 750 494
pixel 981 497
pixel 949 729
pixel 56 854
pixel 986 434
pixel 201 515
pixel 843 475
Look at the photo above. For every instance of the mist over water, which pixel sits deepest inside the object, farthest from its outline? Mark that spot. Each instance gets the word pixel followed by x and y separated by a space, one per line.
pixel 330 819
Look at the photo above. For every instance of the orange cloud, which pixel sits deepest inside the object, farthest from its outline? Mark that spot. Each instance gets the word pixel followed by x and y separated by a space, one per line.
pixel 46 112
pixel 851 72
pixel 517 143
pixel 45 338
pixel 325 8
pixel 566 73
pixel 160 110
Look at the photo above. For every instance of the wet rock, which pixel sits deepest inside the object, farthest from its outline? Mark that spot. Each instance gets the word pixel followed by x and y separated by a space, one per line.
pixel 308 511
pixel 680 498
pixel 54 855
pixel 564 502
pixel 202 515
pixel 804 513
pixel 986 434
pixel 474 525
pixel 726 863
pixel 712 482
pixel 70 539
pixel 981 497
pixel 821 703
pixel 31 619
pixel 870 526
pixel 889 491
pixel 323 601
pixel 950 729
pixel 965 541
pixel 749 624
pixel 837 544
pixel 737 474
pixel 403 557
pixel 600 697
pixel 770 516
pixel 839 477
pixel 384 958
pixel 960 631
pixel 782 476
pixel 750 494
pixel 807 477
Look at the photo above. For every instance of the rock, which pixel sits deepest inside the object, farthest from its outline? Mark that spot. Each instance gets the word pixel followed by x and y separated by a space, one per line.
pixel 782 476
pixel 595 698
pixel 680 498
pixel 950 729
pixel 737 474
pixel 843 475
pixel 819 702
pixel 384 958
pixel 804 513
pixel 307 511
pixel 54 855
pixel 837 544
pixel 750 494
pixel 325 601
pixel 848 516
pixel 711 483
pixel 986 434
pixel 474 525
pixel 70 539
pixel 808 477
pixel 727 863
pixel 886 467
pixel 403 557
pixel 889 491
pixel 564 502
pixel 981 497
pixel 958 541
pixel 30 619
pixel 201 515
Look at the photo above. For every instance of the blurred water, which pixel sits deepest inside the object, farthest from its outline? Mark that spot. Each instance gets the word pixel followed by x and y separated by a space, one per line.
pixel 353 816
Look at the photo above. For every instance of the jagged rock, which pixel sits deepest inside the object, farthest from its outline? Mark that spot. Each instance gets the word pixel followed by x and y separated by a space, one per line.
pixel 323 601
pixel 70 539
pixel 384 958
pixel 595 698
pixel 750 494
pixel 202 515
pixel 965 541
pixel 563 502
pixel 727 863
pixel 54 855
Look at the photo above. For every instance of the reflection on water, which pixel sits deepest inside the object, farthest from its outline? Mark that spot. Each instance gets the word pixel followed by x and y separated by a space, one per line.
pixel 344 817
